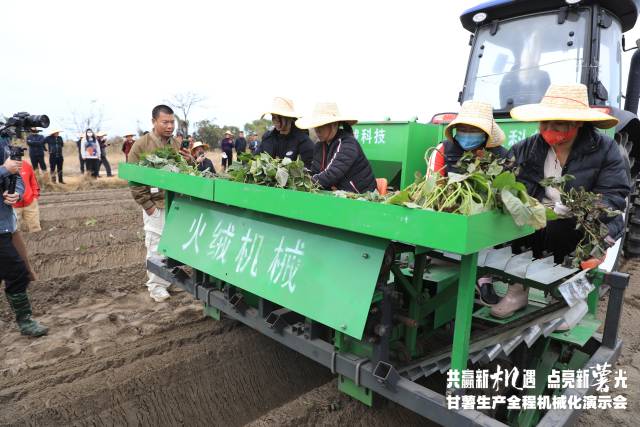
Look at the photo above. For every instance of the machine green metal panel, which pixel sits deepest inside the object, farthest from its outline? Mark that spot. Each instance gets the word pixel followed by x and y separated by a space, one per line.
pixel 437 230
pixel 327 275
pixel 581 333
pixel 396 149
pixel 180 183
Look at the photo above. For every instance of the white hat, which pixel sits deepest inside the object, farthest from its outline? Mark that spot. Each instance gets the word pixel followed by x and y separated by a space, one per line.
pixel 282 107
pixel 564 103
pixel 56 131
pixel 199 144
pixel 101 133
pixel 324 113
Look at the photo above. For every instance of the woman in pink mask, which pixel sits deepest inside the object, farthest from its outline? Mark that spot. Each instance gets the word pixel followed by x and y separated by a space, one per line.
pixel 568 144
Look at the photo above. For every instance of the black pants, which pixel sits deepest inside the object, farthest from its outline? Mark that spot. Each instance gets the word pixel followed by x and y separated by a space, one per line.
pixel 92 166
pixel 38 161
pixel 103 161
pixel 559 238
pixel 55 163
pixel 14 271
pixel 227 162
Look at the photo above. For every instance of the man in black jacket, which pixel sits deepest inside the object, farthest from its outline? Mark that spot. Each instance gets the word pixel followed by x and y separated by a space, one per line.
pixel 35 141
pixel 285 139
pixel 55 145
pixel 241 143
pixel 338 160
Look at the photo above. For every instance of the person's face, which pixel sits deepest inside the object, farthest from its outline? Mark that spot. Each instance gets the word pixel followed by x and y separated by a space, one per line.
pixel 128 137
pixel 241 134
pixel 326 132
pixel 164 125
pixel 559 126
pixel 198 152
pixel 281 123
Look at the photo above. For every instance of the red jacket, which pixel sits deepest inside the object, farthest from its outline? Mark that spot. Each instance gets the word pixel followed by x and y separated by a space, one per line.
pixel 31 187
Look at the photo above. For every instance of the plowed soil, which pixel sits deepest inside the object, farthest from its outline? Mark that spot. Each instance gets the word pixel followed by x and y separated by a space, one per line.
pixel 115 357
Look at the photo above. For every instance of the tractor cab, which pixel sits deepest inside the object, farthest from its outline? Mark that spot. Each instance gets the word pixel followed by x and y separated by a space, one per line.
pixel 520 47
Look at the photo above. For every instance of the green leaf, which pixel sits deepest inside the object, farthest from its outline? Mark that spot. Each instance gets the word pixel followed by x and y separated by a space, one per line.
pixel 519 212
pixel 504 180
pixel 399 198
pixel 456 177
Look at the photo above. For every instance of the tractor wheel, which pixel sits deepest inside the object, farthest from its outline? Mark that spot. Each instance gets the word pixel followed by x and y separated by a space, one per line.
pixel 632 217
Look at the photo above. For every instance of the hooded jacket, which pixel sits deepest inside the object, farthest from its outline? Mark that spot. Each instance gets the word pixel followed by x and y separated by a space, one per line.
pixel 595 162
pixel 342 164
pixel 295 143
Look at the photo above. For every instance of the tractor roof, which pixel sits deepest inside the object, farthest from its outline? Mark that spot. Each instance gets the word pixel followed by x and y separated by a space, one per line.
pixel 625 10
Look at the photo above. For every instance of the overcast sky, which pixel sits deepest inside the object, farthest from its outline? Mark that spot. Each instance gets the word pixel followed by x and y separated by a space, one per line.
pixel 375 58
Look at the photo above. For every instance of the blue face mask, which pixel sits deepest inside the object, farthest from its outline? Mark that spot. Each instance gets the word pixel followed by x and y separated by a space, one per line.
pixel 470 140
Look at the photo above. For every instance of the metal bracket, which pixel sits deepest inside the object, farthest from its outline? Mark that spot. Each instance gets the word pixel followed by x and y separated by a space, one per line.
pixel 386 374
pixel 237 301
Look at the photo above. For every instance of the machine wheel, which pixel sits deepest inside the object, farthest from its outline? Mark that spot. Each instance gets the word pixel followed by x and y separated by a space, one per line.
pixel 632 217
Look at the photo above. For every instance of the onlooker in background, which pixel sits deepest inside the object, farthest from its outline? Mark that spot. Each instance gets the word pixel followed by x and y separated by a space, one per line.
pixel 14 272
pixel 286 139
pixel 79 144
pixel 35 141
pixel 241 143
pixel 27 210
pixel 226 145
pixel 253 142
pixel 198 152
pixel 102 140
pixel 127 144
pixel 90 152
pixel 55 145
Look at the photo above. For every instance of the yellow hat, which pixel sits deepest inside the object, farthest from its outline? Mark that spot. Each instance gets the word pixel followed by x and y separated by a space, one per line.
pixel 324 113
pixel 564 103
pixel 480 115
pixel 282 107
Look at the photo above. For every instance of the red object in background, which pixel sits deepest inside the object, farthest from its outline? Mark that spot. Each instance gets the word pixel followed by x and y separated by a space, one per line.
pixel 31 187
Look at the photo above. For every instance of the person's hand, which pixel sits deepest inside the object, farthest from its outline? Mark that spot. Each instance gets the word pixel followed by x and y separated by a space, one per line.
pixel 150 211
pixel 609 241
pixel 186 154
pixel 13 166
pixel 561 209
pixel 10 199
pixel 200 158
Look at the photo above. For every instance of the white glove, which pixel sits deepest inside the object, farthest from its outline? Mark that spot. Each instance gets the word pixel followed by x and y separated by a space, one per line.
pixel 561 209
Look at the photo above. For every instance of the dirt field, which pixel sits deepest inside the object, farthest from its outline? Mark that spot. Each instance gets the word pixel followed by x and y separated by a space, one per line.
pixel 115 357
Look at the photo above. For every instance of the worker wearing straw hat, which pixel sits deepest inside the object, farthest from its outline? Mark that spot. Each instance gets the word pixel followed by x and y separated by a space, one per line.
pixel 567 144
pixel 338 160
pixel 286 139
pixel 198 153
pixel 473 130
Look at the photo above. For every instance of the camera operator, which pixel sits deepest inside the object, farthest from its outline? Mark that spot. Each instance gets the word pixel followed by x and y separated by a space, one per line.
pixel 14 270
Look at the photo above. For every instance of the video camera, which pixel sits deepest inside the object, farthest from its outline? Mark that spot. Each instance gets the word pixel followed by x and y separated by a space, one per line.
pixel 19 122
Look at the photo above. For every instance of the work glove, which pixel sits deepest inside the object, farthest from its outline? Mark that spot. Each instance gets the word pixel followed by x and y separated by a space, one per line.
pixel 561 209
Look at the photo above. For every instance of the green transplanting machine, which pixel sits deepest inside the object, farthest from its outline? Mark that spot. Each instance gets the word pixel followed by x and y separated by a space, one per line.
pixel 383 295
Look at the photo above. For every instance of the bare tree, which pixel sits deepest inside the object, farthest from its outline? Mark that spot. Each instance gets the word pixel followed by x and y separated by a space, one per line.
pixel 184 102
pixel 88 118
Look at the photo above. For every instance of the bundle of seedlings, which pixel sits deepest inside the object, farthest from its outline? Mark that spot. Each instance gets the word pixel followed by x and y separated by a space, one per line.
pixel 588 210
pixel 168 159
pixel 265 170
pixel 483 183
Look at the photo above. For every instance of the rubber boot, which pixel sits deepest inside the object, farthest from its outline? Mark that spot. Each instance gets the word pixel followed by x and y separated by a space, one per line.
pixel 60 178
pixel 516 299
pixel 484 287
pixel 22 308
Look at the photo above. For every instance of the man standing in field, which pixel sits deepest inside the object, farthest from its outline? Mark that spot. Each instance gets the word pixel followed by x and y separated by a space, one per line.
pixel 151 199
pixel 35 141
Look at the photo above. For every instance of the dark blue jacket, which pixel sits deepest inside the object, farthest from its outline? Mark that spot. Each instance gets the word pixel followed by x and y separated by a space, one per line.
pixel 342 164
pixel 595 161
pixel 55 145
pixel 7 217
pixel 295 143
pixel 36 145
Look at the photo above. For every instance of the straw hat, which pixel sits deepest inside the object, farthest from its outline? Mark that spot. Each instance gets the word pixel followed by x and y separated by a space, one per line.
pixel 282 107
pixel 199 144
pixel 228 132
pixel 480 115
pixel 55 131
pixel 564 102
pixel 129 134
pixel 101 133
pixel 324 113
